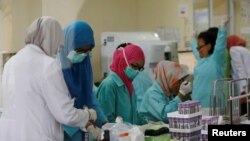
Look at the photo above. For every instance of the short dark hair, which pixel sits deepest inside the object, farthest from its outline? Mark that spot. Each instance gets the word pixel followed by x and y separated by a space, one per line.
pixel 208 38
pixel 214 31
pixel 123 45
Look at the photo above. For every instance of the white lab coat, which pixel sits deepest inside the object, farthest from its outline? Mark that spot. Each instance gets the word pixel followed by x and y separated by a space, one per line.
pixel 240 62
pixel 36 100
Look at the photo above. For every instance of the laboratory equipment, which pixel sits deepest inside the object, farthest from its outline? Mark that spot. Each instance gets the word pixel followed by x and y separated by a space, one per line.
pixel 185 124
pixel 189 107
pixel 226 99
pixel 171 52
pixel 153 47
pixel 207 120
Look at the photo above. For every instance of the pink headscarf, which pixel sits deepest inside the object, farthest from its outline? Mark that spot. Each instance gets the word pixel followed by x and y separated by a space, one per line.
pixel 234 40
pixel 167 73
pixel 133 53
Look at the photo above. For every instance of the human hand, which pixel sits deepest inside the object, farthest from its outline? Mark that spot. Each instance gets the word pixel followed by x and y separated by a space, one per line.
pixel 194 34
pixel 92 114
pixel 185 88
pixel 95 132
pixel 224 21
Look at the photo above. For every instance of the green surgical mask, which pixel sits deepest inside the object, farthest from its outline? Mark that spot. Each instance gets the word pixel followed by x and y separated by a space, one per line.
pixel 75 57
pixel 131 73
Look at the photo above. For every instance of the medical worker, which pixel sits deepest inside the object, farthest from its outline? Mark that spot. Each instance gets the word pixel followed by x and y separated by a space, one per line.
pixel 77 72
pixel 240 57
pixel 210 54
pixel 240 62
pixel 214 32
pixel 116 93
pixel 167 91
pixel 36 100
pixel 140 84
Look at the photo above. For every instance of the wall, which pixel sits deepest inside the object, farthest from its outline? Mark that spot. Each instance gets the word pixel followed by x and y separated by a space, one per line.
pixel 64 11
pixel 6 25
pixel 164 13
pixel 237 17
pixel 1 28
pixel 102 15
pixel 220 7
pixel 29 10
pixel 220 11
pixel 201 4
pixel 241 23
pixel 16 16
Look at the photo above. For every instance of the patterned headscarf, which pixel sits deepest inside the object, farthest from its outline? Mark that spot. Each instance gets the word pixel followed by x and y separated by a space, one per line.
pixel 46 33
pixel 167 73
pixel 133 54
pixel 234 40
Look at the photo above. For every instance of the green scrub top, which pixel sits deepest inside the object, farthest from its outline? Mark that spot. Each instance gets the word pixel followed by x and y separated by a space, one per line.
pixel 141 83
pixel 209 69
pixel 115 100
pixel 156 104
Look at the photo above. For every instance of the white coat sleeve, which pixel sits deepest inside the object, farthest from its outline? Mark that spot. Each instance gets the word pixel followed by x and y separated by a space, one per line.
pixel 55 93
pixel 7 84
pixel 238 66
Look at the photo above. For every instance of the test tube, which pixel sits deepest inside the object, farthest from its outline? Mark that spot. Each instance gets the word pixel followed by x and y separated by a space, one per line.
pixel 180 109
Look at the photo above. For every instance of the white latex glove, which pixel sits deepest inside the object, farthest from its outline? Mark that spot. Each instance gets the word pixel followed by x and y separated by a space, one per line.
pixel 118 119
pixel 92 114
pixel 224 21
pixel 194 34
pixel 185 88
pixel 95 132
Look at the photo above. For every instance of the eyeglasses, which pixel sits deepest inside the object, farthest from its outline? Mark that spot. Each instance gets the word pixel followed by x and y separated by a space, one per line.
pixel 137 67
pixel 123 45
pixel 85 49
pixel 182 80
pixel 86 52
pixel 199 47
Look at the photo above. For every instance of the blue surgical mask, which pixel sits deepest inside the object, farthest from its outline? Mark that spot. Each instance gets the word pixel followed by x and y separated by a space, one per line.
pixel 131 73
pixel 75 57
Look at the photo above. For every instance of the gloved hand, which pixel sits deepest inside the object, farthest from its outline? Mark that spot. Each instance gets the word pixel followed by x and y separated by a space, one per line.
pixel 95 132
pixel 185 88
pixel 194 34
pixel 224 21
pixel 92 114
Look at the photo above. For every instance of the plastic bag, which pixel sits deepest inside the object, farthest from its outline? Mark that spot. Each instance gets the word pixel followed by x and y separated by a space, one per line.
pixel 136 134
pixel 120 132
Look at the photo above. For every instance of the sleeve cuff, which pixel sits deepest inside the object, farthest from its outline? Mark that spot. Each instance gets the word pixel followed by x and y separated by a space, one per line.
pixel 177 99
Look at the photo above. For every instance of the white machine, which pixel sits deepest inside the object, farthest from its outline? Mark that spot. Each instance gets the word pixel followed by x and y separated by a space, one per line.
pixel 154 49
